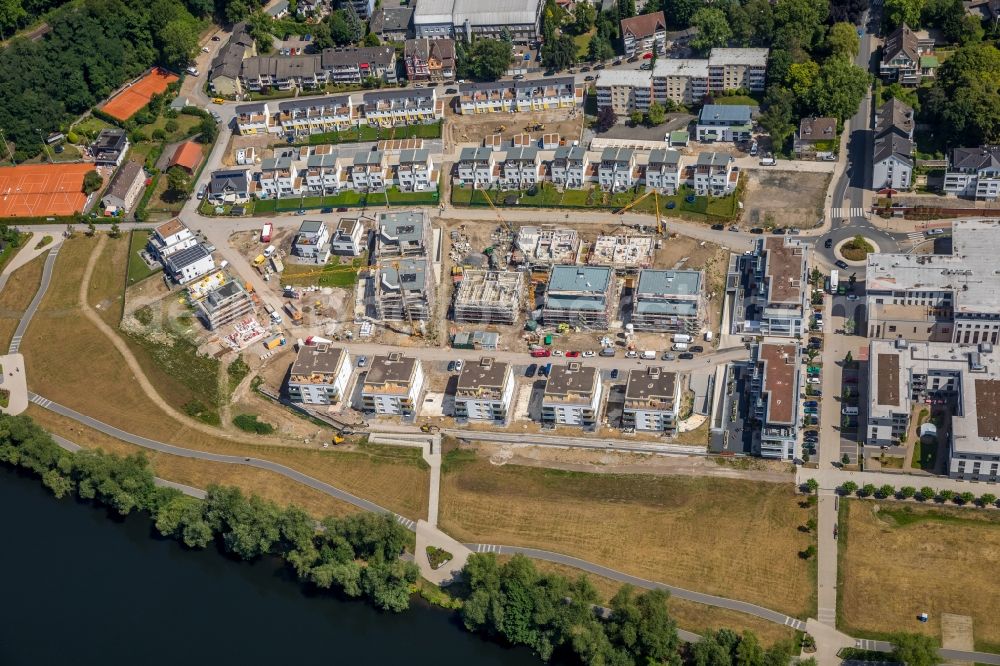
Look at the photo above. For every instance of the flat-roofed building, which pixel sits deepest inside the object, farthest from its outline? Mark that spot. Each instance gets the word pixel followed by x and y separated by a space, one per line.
pixel 403 290
pixel 579 296
pixel 348 237
pixel 189 264
pixel 312 241
pixel 520 19
pixel 572 396
pixel 724 122
pixel 224 305
pixel 402 234
pixel 974 173
pixel 624 90
pixel 769 289
pixel 539 245
pixel 319 375
pixel 622 251
pixel 392 385
pixel 732 69
pixel 668 301
pixel 652 400
pixel 110 147
pixel 253 119
pixel 489 297
pixel 485 391
pixel 680 80
pixel 965 378
pixel 774 376
pixel 170 237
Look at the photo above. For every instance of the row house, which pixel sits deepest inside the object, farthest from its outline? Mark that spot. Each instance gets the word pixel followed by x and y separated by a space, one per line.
pixel 569 167
pixel 415 171
pixel 279 176
pixel 253 118
pixel 388 108
pixel 663 171
pixel 369 170
pixel 521 167
pixel 324 172
pixel 617 170
pixel 340 66
pixel 974 173
pixel 315 116
pixel 477 167
pixel 892 158
pixel 715 174
pixel 512 96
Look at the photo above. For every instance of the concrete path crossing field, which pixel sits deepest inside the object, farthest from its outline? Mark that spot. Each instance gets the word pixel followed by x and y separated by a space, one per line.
pixel 22 326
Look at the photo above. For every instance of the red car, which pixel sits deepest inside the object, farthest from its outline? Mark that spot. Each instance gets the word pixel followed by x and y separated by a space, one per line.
pixel 572 354
pixel 647 56
pixel 540 353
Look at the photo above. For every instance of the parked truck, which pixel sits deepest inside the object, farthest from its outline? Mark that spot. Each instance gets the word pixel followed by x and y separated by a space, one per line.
pixel 680 346
pixel 294 312
pixel 834 280
pixel 265 233
pixel 275 342
pixel 682 337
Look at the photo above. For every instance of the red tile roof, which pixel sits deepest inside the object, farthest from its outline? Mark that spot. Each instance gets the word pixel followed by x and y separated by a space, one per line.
pixel 187 155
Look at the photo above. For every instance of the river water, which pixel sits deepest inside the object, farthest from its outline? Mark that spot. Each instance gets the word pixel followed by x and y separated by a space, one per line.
pixel 82 587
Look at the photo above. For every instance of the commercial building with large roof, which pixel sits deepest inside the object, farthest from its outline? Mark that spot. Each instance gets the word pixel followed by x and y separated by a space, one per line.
pixel 465 18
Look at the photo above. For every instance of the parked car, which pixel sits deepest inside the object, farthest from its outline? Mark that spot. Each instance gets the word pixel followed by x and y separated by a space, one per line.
pixel 646 66
pixel 588 78
pixel 935 232
pixel 540 353
pixel 631 353
pixel 718 227
pixel 634 58
pixel 756 230
pixel 811 403
pixel 667 356
pixel 816 340
pixel 768 161
pixel 697 349
pixel 544 370
pixel 216 38
pixel 362 361
pixel 326 211
pixel 572 354
pixel 557 352
pixel 778 231
pixel 451 91
pixel 451 366
pixel 599 65
pixel 342 209
pixel 531 370
pixel 459 364
pixel 841 264
pixel 585 69
pixel 852 297
pixel 589 353
pixel 814 380
pixel 811 410
pixel 828 243
pixel 686 356
pixel 614 373
pixel 519 77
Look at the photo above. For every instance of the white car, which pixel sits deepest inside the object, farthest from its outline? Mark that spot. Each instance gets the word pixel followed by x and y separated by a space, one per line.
pixel 631 354
pixel 589 354
pixel 814 380
pixel 459 364
pixel 204 49
pixel 557 352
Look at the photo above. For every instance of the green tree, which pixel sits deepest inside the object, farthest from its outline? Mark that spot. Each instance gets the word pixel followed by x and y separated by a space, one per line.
pixel 812 485
pixel 11 15
pixel 635 117
pixel 713 29
pixel 945 495
pixel 91 229
pixel 642 625
pixel 886 491
pixel 906 492
pixel 181 517
pixel 584 16
pixel 208 130
pixel 179 44
pixel 656 114
pixel 559 53
pixel 777 118
pixel 927 493
pixel 845 459
pixel 915 650
pixel 606 119
pixel 178 182
pixel 898 12
pixel 965 98
pixel 92 182
pixel 341 32
pixel 802 79
pixel 848 488
pixel 490 59
pixel 599 48
pixel 848 360
pixel 371 39
pixel 355 25
pixel 840 88
pixel 811 525
pixel 867 490
pixel 967 497
pixel 115 231
pixel 808 553
pixel 988 499
pixel 842 41
pixel 236 11
pixel 626 8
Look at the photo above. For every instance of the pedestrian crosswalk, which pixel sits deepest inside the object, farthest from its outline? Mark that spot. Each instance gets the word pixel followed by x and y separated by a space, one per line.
pixel 15 344
pixel 406 522
pixel 865 644
pixel 915 236
pixel 798 625
pixel 847 212
pixel 827 615
pixel 40 401
pixel 487 548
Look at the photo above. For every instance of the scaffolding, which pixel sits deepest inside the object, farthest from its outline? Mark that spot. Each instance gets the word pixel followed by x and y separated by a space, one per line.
pixel 489 297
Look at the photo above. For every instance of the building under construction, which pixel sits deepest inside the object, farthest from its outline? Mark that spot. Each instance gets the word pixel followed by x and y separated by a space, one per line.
pixel 403 290
pixel 537 245
pixel 403 234
pixel 224 305
pixel 581 296
pixel 489 297
pixel 622 252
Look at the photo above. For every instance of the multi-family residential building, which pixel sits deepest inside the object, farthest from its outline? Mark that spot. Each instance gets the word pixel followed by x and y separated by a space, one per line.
pixel 768 287
pixel 189 264
pixel 624 90
pixel 570 167
pixel 966 378
pixel 364 8
pixel 402 290
pixel 312 241
pixel 974 173
pixel 253 119
pixel 477 167
pixel 429 59
pixel 279 176
pixel 170 237
pixel 715 174
pixel 388 108
pixel 669 301
pixel 572 396
pixel 393 385
pixel 485 391
pixel 392 24
pixel 125 188
pixel 546 246
pixel 225 304
pixel 775 378
pixel 342 66
pixel 370 171
pixel 109 147
pixel 908 56
pixel 521 167
pixel 652 400
pixel 939 297
pixel 325 171
pixel 617 170
pixel 465 19
pixel 489 297
pixel 415 171
pixel 663 171
pixel 737 69
pixel 224 73
pixel 348 237
pixel 644 33
pixel 892 160
pixel 724 122
pixel 232 186
pixel 580 296
pixel 680 80
pixel 816 139
pixel 302 117
pixel 319 375
pixel 509 96
pixel 402 234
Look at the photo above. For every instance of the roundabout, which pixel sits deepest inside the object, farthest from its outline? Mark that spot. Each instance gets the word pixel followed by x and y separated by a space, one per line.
pixel 854 251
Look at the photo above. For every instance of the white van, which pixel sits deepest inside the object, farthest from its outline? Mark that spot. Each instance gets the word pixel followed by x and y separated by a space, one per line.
pixel 768 161
pixel 708 336
pixel 849 411
pixel 682 337
pixel 680 346
pixel 649 355
pixel 269 251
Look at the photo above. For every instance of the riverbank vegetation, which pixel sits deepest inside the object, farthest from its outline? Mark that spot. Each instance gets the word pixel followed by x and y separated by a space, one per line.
pixel 357 556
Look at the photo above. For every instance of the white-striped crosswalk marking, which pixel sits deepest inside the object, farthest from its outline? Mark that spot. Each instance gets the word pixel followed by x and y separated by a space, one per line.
pixel 914 236
pixel 847 212
pixel 40 401
pixel 406 522
pixel 487 548
pixel 15 344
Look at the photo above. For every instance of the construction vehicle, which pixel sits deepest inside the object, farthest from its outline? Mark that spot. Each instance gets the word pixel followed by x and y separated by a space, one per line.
pixel 337 439
pixel 430 428
pixel 265 232
pixel 500 128
pixel 275 342
pixel 457 274
pixel 656 199
pixel 259 260
pixel 294 312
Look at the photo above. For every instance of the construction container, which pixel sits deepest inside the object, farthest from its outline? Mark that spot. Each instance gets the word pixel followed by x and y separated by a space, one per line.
pixel 275 342
pixel 548 340
pixel 276 264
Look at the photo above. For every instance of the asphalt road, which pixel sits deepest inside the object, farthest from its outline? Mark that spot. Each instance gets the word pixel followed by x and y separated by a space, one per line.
pixel 22 326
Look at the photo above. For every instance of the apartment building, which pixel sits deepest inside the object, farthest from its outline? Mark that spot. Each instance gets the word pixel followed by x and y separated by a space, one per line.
pixel 170 237
pixel 319 375
pixel 624 90
pixel 402 234
pixel 392 385
pixel 403 289
pixel 724 122
pixel 644 33
pixel 940 297
pixel 546 246
pixel 683 81
pixel 429 59
pixel 312 241
pixel 775 380
pixel 297 118
pixel 768 288
pixel 715 174
pixel 340 66
pixel 512 96
pixel 415 171
pixel 348 237
pixel 663 171
pixel 370 171
pixel 737 69
pixel 363 8
pixel 521 168
pixel 570 167
pixel 892 159
pixel 974 173
pixel 485 391
pixel 652 400
pixel 390 108
pixel 908 57
pixel 670 301
pixel 279 176
pixel 477 167
pixel 392 24
pixel 966 379
pixel 466 19
pixel 572 396
pixel 580 296
pixel 617 170
pixel 489 297
pixel 225 304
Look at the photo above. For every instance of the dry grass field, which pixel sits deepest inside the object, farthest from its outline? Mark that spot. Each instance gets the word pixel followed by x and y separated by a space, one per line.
pixel 901 560
pixel 689 615
pixel 16 295
pixel 733 538
pixel 72 363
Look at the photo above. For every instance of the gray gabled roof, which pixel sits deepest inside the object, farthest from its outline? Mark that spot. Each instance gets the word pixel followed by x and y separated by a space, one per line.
pixel 124 179
pixel 975 159
pixel 229 179
pixel 893 145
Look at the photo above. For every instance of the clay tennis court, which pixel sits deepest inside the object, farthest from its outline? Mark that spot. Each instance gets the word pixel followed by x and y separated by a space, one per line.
pixel 125 104
pixel 33 190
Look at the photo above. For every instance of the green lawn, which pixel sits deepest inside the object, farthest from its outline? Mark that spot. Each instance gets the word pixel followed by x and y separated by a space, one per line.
pixel 583 43
pixel 395 197
pixel 924 457
pixel 137 269
pixel 368 133
pixel 11 249
pixel 735 100
pixel 333 274
pixel 91 125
